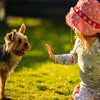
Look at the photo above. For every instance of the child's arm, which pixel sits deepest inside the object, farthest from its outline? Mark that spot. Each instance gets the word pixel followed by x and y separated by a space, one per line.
pixel 67 59
pixel 62 59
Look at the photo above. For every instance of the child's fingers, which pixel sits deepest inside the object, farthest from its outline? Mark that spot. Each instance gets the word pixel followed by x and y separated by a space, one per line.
pixel 50 53
pixel 49 48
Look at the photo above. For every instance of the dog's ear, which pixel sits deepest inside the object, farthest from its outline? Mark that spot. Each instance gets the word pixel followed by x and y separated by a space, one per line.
pixel 11 36
pixel 22 29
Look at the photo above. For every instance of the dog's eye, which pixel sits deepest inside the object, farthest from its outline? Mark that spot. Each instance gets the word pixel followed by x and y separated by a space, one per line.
pixel 19 40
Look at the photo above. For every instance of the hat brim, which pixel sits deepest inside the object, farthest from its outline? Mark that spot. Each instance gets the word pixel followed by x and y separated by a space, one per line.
pixel 68 21
pixel 73 20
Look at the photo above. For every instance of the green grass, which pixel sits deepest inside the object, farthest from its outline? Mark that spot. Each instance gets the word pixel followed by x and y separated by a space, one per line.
pixel 36 77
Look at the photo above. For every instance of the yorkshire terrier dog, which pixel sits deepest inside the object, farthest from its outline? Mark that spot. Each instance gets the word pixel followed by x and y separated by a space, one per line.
pixel 16 44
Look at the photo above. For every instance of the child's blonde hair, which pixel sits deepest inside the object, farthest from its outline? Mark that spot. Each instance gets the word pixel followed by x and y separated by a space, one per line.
pixel 85 40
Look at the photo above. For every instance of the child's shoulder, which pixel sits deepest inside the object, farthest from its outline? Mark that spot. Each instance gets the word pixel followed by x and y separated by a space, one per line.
pixel 77 42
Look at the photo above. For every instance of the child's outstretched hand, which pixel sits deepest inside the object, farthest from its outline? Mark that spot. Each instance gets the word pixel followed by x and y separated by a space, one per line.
pixel 50 53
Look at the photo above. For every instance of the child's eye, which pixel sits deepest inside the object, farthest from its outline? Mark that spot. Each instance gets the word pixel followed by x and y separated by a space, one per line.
pixel 19 40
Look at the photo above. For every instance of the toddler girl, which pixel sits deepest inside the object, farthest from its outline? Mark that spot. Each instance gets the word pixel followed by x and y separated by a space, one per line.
pixel 84 19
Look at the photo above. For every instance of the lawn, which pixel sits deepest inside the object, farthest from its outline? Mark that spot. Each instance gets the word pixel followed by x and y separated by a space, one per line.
pixel 36 77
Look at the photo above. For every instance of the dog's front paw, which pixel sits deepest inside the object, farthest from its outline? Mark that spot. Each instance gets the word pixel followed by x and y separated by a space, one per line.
pixel 8 98
pixel 5 98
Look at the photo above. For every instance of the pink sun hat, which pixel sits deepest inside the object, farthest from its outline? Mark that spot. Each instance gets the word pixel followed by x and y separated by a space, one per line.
pixel 85 16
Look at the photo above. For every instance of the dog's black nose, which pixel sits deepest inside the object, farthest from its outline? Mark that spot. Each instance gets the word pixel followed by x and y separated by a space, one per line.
pixel 26 44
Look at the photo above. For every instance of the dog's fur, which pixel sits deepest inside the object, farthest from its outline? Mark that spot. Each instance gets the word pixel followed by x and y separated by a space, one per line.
pixel 16 44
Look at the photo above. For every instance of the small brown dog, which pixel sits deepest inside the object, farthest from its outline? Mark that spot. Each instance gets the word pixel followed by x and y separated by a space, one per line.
pixel 16 44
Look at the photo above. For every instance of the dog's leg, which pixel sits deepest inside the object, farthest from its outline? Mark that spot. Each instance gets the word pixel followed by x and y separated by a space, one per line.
pixel 2 87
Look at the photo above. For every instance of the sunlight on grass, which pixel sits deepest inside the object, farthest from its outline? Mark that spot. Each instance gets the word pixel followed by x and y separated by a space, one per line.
pixel 19 20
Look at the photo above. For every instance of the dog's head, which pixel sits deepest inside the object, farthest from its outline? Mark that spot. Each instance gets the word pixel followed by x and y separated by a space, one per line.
pixel 17 42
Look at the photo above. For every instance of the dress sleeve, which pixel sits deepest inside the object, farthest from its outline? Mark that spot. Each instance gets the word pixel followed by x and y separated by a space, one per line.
pixel 67 59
